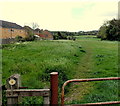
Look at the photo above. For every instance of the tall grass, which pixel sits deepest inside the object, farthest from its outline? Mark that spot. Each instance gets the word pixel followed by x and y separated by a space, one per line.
pixel 105 64
pixel 34 61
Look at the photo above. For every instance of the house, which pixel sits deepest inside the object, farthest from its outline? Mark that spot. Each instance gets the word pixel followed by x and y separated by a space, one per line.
pixel 44 34
pixel 11 30
pixel 29 30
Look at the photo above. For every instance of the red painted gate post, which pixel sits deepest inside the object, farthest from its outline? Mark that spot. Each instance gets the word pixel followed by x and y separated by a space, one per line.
pixel 54 88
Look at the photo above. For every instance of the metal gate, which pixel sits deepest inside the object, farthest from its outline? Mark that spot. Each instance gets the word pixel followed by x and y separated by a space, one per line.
pixel 14 90
pixel 89 80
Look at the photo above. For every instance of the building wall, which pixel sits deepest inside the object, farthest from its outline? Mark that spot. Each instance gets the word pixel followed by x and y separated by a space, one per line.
pixel 12 33
pixel 45 35
pixel 48 35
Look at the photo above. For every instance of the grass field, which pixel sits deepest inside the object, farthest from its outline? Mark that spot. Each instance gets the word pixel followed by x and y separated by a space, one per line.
pixel 87 57
pixel 100 60
pixel 36 60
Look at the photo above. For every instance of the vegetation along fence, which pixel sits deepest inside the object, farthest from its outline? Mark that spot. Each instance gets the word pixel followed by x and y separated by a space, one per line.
pixel 7 41
pixel 89 80
pixel 14 90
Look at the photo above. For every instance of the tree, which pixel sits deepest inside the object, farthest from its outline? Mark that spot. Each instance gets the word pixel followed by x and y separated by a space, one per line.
pixel 35 25
pixel 30 33
pixel 62 36
pixel 55 36
pixel 110 30
pixel 114 30
pixel 102 32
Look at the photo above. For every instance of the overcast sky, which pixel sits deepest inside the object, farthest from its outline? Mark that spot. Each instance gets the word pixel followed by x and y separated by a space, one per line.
pixel 62 15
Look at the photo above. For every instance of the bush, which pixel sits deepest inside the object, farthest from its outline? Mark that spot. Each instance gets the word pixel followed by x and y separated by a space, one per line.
pixel 19 38
pixel 62 36
pixel 110 30
pixel 30 38
pixel 71 38
pixel 55 37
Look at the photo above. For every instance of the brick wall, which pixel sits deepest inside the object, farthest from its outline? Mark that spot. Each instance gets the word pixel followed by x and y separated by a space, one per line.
pixel 45 35
pixel 12 33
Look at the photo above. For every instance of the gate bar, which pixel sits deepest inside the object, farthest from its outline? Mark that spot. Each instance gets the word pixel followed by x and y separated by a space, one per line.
pixel 97 104
pixel 85 80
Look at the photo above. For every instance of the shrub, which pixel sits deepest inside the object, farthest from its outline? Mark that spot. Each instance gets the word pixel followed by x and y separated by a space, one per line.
pixel 71 38
pixel 18 38
pixel 55 37
pixel 30 38
pixel 110 30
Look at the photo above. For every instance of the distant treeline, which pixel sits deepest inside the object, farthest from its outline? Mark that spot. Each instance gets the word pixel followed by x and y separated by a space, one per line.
pixel 110 30
pixel 70 35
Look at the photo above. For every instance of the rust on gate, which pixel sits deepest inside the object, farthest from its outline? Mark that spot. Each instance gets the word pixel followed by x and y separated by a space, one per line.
pixel 54 88
pixel 89 80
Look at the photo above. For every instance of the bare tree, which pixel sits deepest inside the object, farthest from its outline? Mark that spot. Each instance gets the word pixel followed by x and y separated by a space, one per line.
pixel 35 25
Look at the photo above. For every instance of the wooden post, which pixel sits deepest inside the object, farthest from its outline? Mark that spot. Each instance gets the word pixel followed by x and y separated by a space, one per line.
pixel 46 100
pixel 54 88
pixel 13 82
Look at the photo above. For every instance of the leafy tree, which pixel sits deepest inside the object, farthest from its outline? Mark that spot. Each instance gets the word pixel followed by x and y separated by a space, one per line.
pixel 30 32
pixel 55 37
pixel 62 36
pixel 102 31
pixel 113 30
pixel 19 38
pixel 110 30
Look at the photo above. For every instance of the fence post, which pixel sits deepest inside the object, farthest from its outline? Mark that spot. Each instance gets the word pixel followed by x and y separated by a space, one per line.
pixel 46 100
pixel 13 82
pixel 54 88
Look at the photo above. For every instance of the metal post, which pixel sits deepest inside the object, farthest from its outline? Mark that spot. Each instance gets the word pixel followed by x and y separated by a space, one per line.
pixel 54 88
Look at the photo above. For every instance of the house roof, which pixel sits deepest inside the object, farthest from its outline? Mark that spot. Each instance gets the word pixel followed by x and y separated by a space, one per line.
pixel 28 28
pixel 6 24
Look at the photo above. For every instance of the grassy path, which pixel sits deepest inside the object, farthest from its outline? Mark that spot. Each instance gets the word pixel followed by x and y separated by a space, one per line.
pixel 100 60
pixel 77 90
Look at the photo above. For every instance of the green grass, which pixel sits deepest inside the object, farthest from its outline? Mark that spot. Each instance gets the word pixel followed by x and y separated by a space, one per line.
pixel 34 61
pixel 36 58
pixel 87 57
pixel 104 63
